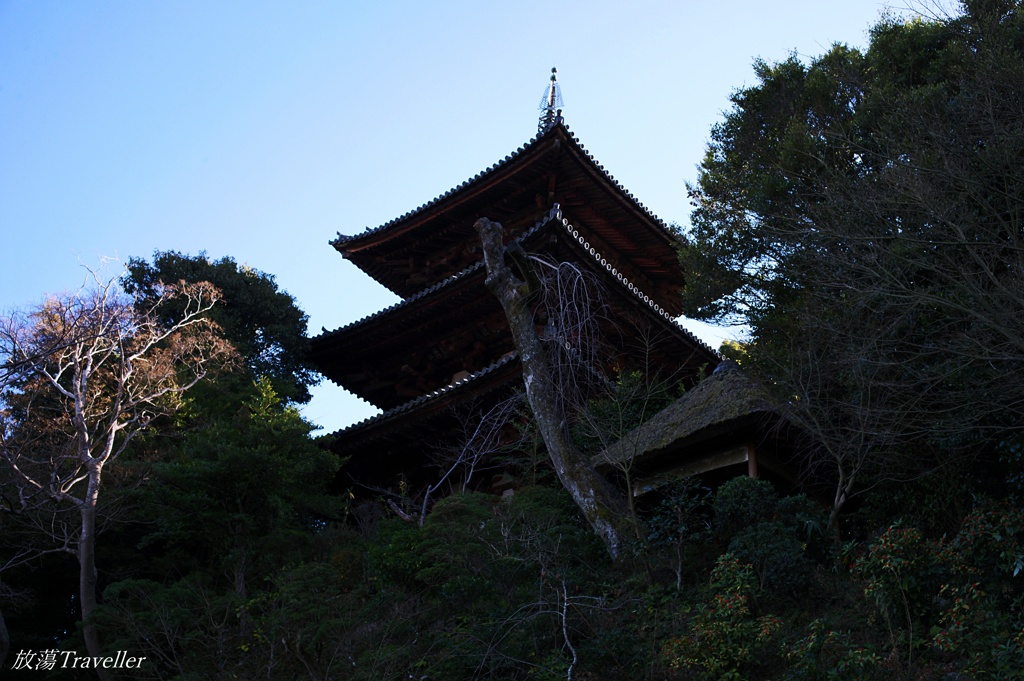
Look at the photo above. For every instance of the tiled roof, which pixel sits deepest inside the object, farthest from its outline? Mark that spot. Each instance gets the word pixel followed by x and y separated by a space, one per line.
pixel 343 238
pixel 404 303
pixel 554 215
pixel 581 242
pixel 429 397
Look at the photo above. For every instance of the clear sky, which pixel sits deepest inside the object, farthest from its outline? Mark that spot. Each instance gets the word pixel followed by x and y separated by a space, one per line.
pixel 261 129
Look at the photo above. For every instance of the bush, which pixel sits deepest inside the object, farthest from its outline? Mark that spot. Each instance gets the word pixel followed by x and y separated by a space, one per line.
pixel 778 558
pixel 680 520
pixel 982 623
pixel 724 640
pixel 808 522
pixel 827 654
pixel 740 503
pixel 901 575
pixel 480 589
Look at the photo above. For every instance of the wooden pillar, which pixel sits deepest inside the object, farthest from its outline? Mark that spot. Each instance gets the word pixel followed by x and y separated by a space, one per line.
pixel 751 461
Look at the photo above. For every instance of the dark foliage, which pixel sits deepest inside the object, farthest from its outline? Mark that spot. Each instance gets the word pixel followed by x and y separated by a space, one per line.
pixel 260 320
pixel 861 212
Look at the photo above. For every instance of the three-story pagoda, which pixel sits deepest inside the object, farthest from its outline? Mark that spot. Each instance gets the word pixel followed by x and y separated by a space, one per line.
pixel 447 342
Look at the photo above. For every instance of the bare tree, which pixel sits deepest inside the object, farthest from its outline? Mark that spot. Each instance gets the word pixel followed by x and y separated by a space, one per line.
pixel 847 395
pixel 603 409
pixel 602 505
pixel 482 436
pixel 85 375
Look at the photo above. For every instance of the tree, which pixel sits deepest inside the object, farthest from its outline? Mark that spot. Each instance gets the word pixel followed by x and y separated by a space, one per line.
pixel 480 435
pixel 235 488
pixel 86 375
pixel 263 323
pixel 241 497
pixel 862 215
pixel 602 505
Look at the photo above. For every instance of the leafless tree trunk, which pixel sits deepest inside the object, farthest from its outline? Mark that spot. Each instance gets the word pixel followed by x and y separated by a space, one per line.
pixel 88 373
pixel 602 505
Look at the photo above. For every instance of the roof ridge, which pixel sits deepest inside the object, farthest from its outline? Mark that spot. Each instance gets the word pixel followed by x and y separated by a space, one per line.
pixel 415 402
pixel 344 238
pixel 406 301
pixel 618 185
pixel 580 240
pixel 559 125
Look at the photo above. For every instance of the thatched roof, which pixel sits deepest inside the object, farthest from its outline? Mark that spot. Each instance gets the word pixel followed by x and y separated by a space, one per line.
pixel 728 395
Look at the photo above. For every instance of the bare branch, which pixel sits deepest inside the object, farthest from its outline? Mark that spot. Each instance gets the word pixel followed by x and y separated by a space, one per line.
pixel 83 376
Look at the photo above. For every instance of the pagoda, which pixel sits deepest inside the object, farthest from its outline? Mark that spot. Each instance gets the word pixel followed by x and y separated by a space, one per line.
pixel 446 344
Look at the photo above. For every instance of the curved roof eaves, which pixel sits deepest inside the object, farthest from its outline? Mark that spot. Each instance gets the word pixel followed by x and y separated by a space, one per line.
pixel 618 185
pixel 423 399
pixel 554 214
pixel 402 303
pixel 646 301
pixel 342 239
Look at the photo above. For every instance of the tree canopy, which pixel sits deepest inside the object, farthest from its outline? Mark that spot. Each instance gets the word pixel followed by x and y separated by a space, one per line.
pixel 263 322
pixel 83 376
pixel 863 214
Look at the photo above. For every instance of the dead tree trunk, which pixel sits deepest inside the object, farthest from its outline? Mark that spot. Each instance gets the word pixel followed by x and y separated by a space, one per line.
pixel 601 504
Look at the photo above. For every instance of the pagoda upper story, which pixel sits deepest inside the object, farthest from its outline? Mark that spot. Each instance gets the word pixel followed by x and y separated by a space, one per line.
pixel 437 240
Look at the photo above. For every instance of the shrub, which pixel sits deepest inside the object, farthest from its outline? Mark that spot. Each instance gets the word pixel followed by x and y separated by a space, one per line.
pixel 989 641
pixel 990 542
pixel 740 503
pixel 901 575
pixel 679 520
pixel 724 639
pixel 480 589
pixel 779 560
pixel 827 654
pixel 981 622
pixel 809 523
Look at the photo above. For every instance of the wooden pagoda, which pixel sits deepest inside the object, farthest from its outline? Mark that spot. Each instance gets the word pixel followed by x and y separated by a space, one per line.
pixel 447 343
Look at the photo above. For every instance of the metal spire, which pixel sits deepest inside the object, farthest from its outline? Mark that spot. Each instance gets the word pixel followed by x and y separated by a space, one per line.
pixel 551 104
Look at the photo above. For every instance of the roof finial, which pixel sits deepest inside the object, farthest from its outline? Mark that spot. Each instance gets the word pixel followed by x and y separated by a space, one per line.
pixel 551 104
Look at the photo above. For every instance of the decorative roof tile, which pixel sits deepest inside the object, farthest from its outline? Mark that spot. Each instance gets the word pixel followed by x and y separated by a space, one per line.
pixel 579 240
pixel 423 399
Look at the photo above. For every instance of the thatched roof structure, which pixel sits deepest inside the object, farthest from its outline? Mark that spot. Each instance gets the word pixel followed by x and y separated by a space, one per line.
pixel 702 430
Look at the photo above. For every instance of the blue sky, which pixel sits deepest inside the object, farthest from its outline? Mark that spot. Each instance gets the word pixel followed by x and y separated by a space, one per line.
pixel 261 129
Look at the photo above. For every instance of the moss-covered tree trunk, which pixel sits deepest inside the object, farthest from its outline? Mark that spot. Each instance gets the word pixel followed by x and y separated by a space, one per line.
pixel 602 505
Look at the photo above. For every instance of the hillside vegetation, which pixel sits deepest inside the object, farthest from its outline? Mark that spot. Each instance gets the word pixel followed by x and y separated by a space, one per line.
pixel 861 212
